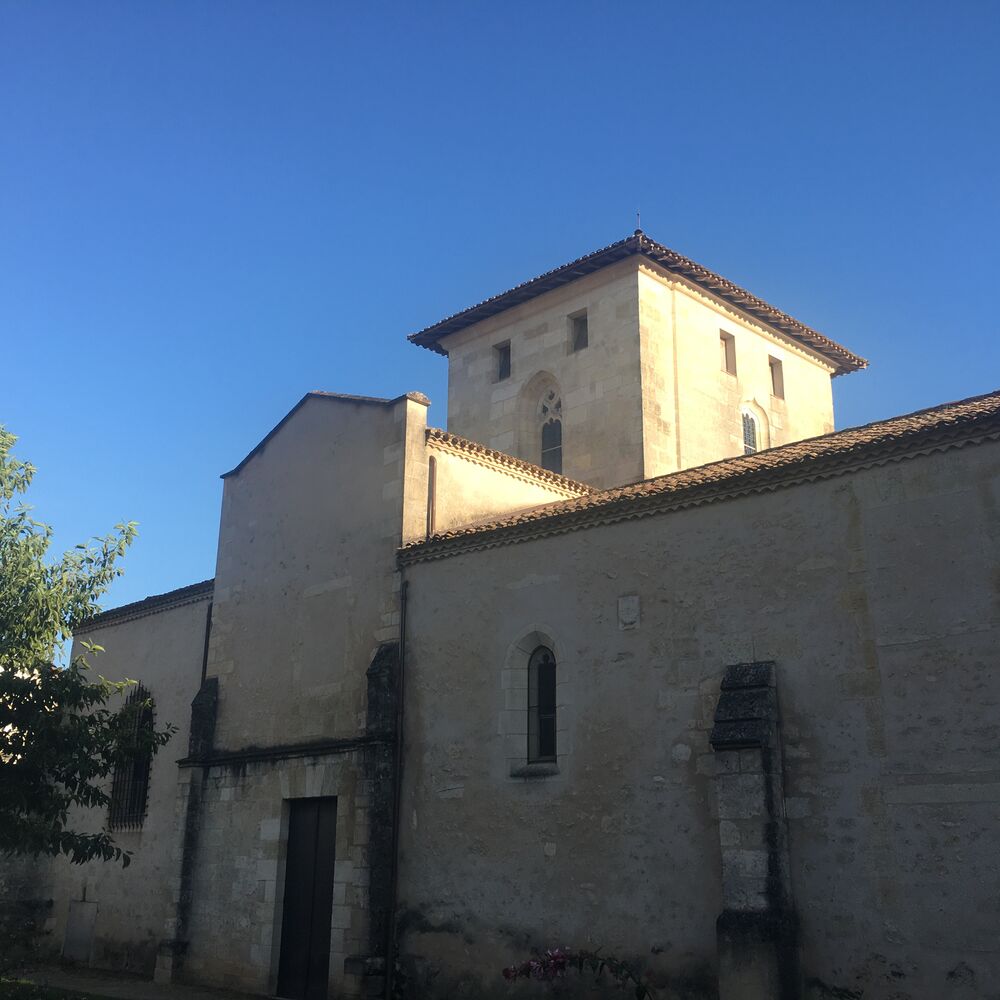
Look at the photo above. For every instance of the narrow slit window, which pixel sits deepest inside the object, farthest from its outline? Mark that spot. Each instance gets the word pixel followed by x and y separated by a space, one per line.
pixel 501 355
pixel 431 494
pixel 579 332
pixel 130 785
pixel 552 446
pixel 749 435
pixel 777 379
pixel 727 352
pixel 542 706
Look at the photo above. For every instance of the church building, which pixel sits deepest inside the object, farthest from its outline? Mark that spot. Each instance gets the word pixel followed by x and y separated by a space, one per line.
pixel 639 656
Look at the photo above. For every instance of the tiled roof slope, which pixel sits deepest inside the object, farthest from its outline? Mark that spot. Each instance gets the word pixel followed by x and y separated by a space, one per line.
pixel 639 243
pixel 150 606
pixel 473 449
pixel 940 427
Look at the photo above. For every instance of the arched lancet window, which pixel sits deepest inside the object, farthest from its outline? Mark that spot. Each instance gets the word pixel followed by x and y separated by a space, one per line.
pixel 550 412
pixel 749 435
pixel 552 446
pixel 541 705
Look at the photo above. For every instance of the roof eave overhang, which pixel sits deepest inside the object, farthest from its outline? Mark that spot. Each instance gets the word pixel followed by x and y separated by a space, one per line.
pixel 841 359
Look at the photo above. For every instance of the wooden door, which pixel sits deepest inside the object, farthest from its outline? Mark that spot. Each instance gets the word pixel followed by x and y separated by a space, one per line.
pixel 304 965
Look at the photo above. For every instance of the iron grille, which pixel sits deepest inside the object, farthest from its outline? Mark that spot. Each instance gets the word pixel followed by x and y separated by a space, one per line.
pixel 130 786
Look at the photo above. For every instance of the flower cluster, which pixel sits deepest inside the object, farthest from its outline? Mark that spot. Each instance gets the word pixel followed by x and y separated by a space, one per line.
pixel 554 963
pixel 550 965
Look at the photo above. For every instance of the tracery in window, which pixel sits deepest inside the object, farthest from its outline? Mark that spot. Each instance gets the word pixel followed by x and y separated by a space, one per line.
pixel 541 705
pixel 749 435
pixel 130 785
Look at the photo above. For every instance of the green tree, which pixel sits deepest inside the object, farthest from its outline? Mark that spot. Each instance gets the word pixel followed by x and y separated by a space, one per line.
pixel 62 730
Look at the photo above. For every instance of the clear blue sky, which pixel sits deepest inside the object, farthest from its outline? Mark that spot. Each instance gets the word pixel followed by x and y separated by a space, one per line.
pixel 209 208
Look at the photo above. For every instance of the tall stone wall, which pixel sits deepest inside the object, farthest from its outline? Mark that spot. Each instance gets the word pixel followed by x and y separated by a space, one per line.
pixel 306 583
pixel 103 914
pixel 306 604
pixel 874 596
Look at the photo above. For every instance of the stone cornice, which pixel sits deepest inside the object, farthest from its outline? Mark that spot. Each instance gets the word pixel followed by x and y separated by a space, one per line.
pixel 955 425
pixel 518 468
pixel 150 606
pixel 284 751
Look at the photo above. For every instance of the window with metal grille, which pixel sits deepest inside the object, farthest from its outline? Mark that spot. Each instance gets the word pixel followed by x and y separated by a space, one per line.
pixel 130 786
pixel 541 706
pixel 552 446
pixel 749 435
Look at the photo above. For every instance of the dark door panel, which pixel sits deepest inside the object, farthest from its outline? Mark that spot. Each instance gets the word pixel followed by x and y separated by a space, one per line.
pixel 304 965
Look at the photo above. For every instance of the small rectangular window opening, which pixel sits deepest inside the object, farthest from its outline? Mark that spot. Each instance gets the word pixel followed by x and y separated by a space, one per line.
pixel 501 354
pixel 727 349
pixel 777 378
pixel 579 334
pixel 431 494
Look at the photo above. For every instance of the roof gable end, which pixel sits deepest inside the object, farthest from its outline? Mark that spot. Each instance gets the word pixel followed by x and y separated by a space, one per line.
pixel 417 397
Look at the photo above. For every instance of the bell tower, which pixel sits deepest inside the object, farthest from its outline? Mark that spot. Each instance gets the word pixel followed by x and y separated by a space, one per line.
pixel 634 362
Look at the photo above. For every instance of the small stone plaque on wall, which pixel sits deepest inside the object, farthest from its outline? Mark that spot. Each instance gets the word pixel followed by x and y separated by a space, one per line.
pixel 628 611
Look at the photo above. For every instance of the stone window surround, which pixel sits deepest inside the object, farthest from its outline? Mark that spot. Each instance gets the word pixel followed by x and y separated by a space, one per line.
pixel 513 716
pixel 727 346
pixel 502 361
pixel 579 331
pixel 531 417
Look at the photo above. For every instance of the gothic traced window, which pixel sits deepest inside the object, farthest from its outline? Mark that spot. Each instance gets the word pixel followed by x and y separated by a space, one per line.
pixel 541 706
pixel 130 786
pixel 551 417
pixel 749 435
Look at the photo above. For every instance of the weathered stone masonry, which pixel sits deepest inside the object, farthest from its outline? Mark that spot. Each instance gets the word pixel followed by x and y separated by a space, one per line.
pixel 757 948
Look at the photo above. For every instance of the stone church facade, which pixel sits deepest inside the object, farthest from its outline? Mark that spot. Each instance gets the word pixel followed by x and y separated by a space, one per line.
pixel 638 655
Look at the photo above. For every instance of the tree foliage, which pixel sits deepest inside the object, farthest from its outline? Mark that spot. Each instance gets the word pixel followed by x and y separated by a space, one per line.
pixel 62 730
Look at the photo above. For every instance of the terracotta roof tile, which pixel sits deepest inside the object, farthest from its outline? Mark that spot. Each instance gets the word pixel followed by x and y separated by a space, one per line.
pixel 947 425
pixel 149 606
pixel 474 449
pixel 639 243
